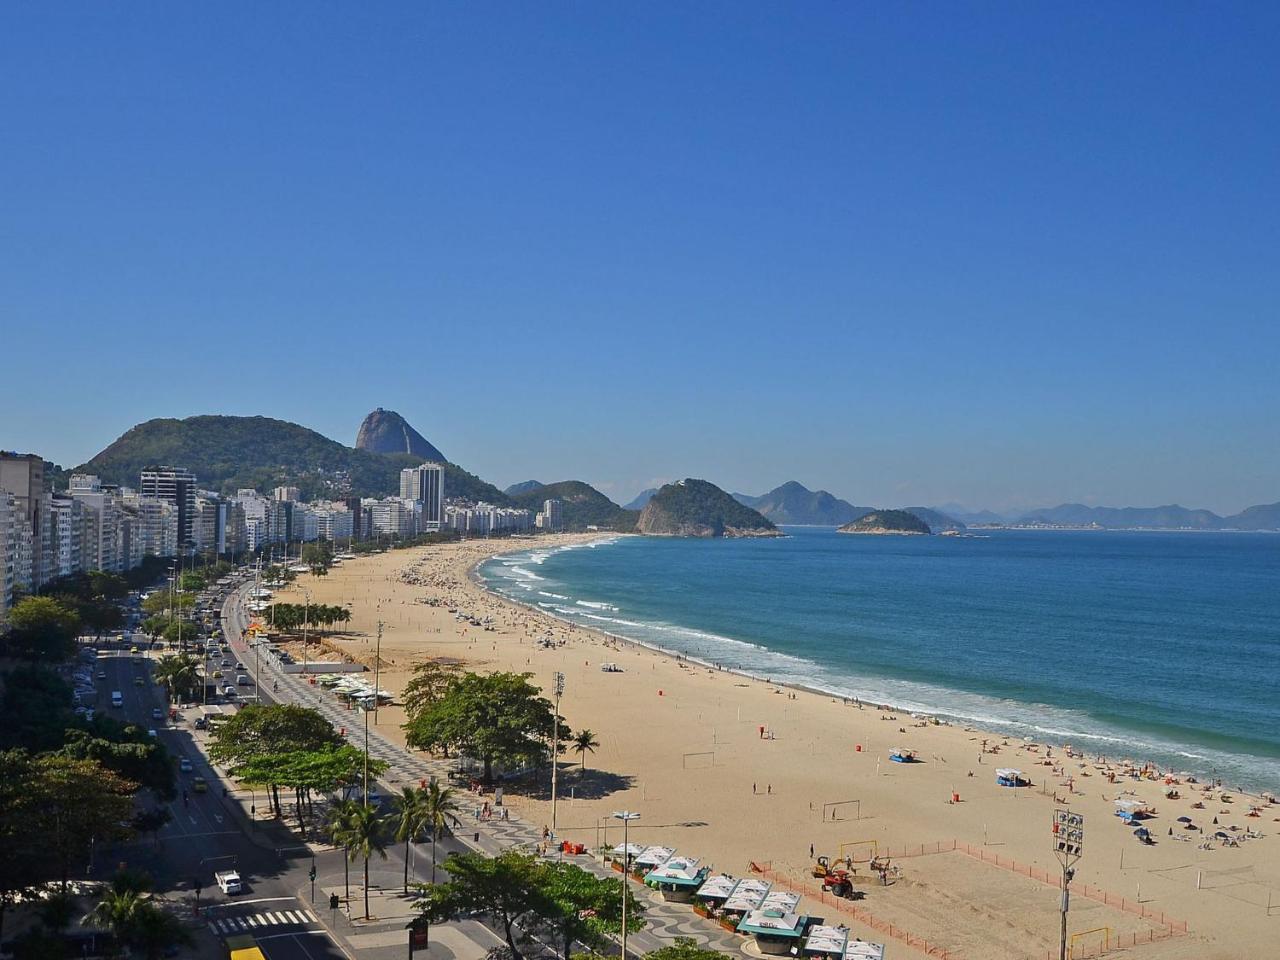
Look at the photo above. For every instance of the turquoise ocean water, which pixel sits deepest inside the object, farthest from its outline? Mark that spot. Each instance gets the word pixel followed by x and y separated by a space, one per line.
pixel 1159 646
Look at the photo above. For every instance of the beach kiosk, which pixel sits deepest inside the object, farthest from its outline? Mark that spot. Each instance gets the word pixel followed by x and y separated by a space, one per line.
pixel 1129 809
pixel 1009 777
pixel 748 894
pixel 863 950
pixel 717 888
pixel 825 941
pixel 777 932
pixel 678 878
pixel 626 853
pixel 653 856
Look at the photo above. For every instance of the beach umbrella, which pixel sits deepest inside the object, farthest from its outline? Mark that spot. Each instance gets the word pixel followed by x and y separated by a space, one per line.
pixel 1184 819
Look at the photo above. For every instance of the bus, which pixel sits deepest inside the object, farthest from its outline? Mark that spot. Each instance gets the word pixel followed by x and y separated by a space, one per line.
pixel 244 947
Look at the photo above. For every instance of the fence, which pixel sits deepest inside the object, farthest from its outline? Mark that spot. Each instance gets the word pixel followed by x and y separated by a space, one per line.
pixel 799 885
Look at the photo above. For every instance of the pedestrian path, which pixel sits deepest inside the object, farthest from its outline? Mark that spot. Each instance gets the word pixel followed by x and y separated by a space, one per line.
pixel 256 922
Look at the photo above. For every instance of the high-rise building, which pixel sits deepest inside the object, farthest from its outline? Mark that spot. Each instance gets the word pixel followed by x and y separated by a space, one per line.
pixel 553 515
pixel 425 484
pixel 285 493
pixel 101 547
pixel 22 474
pixel 393 517
pixel 175 485
pixel 8 551
pixel 210 525
pixel 66 531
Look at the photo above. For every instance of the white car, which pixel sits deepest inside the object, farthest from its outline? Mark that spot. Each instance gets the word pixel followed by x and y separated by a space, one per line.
pixel 184 765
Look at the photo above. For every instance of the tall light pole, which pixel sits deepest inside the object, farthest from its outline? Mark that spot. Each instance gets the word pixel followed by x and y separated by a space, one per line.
pixel 626 816
pixel 555 751
pixel 366 728
pixel 306 615
pixel 1068 846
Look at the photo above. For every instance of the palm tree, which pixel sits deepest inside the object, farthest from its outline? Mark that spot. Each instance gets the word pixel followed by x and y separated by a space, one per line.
pixel 440 805
pixel 413 817
pixel 177 673
pixel 155 931
pixel 338 827
pixel 118 911
pixel 584 741
pixel 365 836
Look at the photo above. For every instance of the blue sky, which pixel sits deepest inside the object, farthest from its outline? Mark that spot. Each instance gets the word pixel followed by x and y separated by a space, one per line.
pixel 1000 254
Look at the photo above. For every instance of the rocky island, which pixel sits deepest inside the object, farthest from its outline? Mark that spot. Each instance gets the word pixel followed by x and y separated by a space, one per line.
pixel 696 508
pixel 888 523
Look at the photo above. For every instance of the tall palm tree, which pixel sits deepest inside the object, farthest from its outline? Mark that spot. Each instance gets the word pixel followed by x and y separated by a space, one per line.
pixel 366 837
pixel 118 911
pixel 177 673
pixel 440 805
pixel 338 828
pixel 412 818
pixel 584 741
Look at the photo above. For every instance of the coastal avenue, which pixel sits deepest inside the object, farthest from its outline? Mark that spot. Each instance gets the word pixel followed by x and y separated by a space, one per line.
pixel 210 831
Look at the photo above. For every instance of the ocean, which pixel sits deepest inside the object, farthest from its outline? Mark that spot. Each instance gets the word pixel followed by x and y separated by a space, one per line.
pixel 1154 646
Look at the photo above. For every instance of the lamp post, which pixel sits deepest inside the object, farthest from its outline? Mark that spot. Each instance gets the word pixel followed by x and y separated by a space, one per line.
pixel 366 725
pixel 306 615
pixel 555 751
pixel 1068 846
pixel 626 816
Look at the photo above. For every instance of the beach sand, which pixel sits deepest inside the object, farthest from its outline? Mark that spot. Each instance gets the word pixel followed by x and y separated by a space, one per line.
pixel 682 745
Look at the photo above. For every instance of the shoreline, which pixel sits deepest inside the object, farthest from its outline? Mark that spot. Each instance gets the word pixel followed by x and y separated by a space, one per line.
pixel 736 768
pixel 937 715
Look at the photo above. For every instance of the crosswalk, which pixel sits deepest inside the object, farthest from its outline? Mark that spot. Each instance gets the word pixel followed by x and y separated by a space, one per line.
pixel 257 921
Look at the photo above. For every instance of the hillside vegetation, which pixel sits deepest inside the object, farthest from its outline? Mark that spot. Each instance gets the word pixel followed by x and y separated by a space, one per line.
pixel 584 506
pixel 226 453
pixel 696 508
pixel 887 522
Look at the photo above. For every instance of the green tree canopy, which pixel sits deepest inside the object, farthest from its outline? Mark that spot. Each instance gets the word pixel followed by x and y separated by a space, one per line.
pixel 684 948
pixel 260 729
pixel 497 718
pixel 42 629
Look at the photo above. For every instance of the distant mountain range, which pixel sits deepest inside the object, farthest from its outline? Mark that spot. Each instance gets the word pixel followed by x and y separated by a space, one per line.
pixel 385 431
pixel 642 499
pixel 795 503
pixel 523 487
pixel 1171 517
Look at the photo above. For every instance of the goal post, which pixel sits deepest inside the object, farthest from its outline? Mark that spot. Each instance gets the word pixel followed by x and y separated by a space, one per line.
pixel 854 844
pixel 1104 941
pixel 834 809
pixel 701 759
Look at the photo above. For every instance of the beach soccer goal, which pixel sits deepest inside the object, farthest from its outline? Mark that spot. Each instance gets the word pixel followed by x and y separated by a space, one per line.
pixel 698 760
pixel 835 810
pixel 1096 942
pixel 853 845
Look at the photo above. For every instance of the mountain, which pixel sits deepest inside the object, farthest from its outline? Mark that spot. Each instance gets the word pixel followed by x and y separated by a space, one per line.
pixel 226 453
pixel 938 522
pixel 584 506
pixel 696 508
pixel 1116 518
pixel 971 517
pixel 887 522
pixel 385 431
pixel 642 499
pixel 794 503
pixel 524 486
pixel 1262 517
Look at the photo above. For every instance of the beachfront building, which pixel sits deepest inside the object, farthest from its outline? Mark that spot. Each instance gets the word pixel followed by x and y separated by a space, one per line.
pixel 8 551
pixel 23 475
pixel 156 524
pixel 425 485
pixel 283 494
pixel 334 521
pixel 551 516
pixel 101 548
pixel 66 531
pixel 483 519
pixel 393 517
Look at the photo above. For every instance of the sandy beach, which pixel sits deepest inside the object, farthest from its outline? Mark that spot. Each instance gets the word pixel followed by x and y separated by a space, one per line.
pixel 736 771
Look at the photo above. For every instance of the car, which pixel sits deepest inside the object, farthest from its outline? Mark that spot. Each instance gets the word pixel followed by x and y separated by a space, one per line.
pixel 199 785
pixel 184 765
pixel 201 723
pixel 228 690
pixel 225 662
pixel 243 681
pixel 139 681
pixel 217 674
pixel 157 713
pixel 152 733
pixel 134 649
pixel 240 666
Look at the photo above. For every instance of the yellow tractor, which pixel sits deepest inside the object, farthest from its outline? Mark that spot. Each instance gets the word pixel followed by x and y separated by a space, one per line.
pixel 822 867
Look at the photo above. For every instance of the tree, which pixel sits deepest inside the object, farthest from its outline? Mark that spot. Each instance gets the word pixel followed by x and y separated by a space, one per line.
pixel 36 707
pixel 79 803
pixel 126 750
pixel 318 556
pixel 588 908
pixel 152 821
pixel 135 919
pixel 411 818
pixel 428 684
pixel 497 717
pixel 365 832
pixel 262 728
pixel 41 628
pixel 584 742
pixel 178 674
pixel 441 806
pixel 684 948
pixel 504 887
pixel 20 859
pixel 338 827
pixel 323 769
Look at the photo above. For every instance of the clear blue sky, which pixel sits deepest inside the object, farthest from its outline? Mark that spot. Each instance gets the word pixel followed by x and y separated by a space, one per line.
pixel 1000 254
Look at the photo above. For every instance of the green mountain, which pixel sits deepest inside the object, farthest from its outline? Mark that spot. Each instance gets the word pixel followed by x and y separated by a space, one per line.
pixel 696 508
pixel 795 503
pixel 1265 516
pixel 887 522
pixel 1167 517
pixel 584 506
pixel 226 453
pixel 642 499
pixel 524 486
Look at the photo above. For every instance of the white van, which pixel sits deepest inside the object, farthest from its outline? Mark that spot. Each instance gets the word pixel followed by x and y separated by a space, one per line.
pixel 117 698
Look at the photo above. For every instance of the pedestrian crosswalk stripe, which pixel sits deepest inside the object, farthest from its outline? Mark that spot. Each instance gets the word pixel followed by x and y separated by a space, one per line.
pixel 253 922
pixel 242 923
pixel 311 917
pixel 276 917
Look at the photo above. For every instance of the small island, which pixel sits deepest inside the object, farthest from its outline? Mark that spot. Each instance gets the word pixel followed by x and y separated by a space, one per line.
pixel 696 508
pixel 897 523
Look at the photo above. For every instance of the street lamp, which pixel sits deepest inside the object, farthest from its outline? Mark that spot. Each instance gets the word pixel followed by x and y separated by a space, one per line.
pixel 1068 846
pixel 555 752
pixel 626 816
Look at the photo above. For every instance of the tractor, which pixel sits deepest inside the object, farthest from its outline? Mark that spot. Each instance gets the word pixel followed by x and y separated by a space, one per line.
pixel 838 883
pixel 822 867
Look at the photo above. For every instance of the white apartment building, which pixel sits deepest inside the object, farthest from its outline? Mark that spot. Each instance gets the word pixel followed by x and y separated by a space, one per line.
pixel 394 517
pixel 176 486
pixel 425 485
pixel 156 524
pixel 66 531
pixel 101 547
pixel 8 551
pixel 334 522
pixel 483 519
